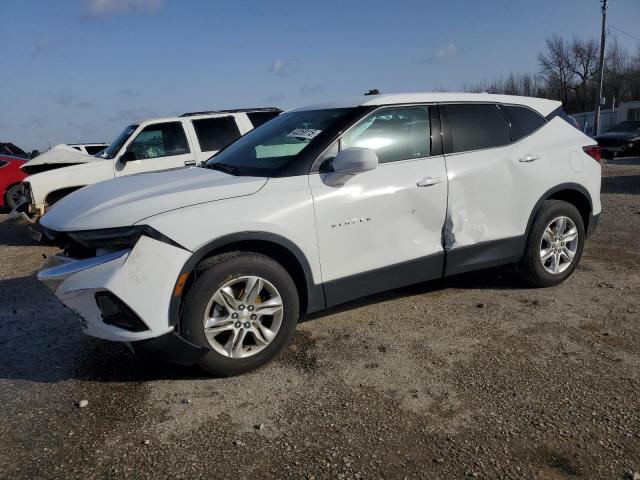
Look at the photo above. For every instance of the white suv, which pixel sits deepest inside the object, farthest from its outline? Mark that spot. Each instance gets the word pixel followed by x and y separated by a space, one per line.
pixel 154 144
pixel 215 264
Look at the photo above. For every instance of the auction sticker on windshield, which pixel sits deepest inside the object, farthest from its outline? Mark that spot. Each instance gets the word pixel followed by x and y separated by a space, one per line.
pixel 308 133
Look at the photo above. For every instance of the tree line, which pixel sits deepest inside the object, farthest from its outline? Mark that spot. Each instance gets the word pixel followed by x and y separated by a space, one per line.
pixel 568 71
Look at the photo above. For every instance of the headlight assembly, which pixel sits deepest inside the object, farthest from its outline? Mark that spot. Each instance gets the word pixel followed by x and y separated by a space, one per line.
pixel 118 238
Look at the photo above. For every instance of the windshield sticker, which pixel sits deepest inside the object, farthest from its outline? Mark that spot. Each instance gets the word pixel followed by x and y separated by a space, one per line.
pixel 308 133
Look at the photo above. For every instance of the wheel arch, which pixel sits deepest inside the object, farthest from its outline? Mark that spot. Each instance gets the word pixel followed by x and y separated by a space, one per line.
pixel 55 196
pixel 572 193
pixel 272 245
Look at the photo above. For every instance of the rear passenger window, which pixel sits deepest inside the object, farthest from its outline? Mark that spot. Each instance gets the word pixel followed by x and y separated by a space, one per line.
pixel 474 127
pixel 395 133
pixel 258 118
pixel 216 133
pixel 77 148
pixel 524 121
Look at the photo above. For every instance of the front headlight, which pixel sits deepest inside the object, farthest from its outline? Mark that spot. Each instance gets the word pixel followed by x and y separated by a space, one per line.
pixel 117 238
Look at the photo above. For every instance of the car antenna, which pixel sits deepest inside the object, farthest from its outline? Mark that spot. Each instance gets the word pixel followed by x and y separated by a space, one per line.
pixel 374 91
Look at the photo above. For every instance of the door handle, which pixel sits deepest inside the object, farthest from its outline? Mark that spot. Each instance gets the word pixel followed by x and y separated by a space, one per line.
pixel 189 163
pixel 428 181
pixel 529 158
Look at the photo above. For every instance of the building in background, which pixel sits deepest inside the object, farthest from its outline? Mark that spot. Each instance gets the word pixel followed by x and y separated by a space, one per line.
pixel 608 118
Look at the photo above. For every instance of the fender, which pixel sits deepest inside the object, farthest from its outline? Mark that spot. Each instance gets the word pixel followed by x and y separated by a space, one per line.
pixel 315 293
pixel 549 193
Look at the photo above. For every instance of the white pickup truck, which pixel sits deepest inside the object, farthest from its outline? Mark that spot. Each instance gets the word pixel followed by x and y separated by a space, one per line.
pixel 155 144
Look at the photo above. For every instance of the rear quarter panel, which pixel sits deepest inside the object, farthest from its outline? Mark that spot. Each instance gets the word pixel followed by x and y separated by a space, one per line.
pixel 492 194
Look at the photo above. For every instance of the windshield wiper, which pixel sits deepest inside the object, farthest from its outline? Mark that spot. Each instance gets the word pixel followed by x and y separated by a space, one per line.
pixel 223 167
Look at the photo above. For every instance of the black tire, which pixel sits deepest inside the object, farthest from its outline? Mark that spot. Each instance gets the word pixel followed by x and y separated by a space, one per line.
pixel 13 195
pixel 531 265
pixel 210 276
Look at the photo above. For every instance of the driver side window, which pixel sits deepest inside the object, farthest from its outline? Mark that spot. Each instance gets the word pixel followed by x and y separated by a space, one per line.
pixel 395 133
pixel 159 140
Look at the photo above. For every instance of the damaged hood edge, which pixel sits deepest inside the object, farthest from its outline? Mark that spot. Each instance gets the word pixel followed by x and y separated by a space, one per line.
pixel 124 201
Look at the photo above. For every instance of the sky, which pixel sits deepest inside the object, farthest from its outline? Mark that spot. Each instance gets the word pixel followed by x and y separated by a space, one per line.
pixel 81 70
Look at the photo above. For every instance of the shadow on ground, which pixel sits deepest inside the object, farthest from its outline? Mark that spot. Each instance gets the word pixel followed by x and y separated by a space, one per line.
pixel 629 184
pixel 43 341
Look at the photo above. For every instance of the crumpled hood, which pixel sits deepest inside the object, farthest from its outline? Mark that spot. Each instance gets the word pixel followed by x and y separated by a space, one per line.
pixel 126 200
pixel 59 155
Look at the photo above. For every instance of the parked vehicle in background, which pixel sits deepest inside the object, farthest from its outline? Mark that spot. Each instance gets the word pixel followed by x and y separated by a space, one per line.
pixel 155 144
pixel 11 177
pixel 322 205
pixel 89 148
pixel 11 150
pixel 61 155
pixel 623 139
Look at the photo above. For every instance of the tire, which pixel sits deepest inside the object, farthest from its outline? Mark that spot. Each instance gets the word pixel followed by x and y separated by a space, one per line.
pixel 535 270
pixel 13 195
pixel 234 271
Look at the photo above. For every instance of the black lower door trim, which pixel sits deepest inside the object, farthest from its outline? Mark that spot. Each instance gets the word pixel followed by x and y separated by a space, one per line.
pixel 484 255
pixel 383 279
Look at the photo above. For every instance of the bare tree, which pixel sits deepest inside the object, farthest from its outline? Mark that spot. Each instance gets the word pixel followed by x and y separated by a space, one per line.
pixel 557 67
pixel 584 65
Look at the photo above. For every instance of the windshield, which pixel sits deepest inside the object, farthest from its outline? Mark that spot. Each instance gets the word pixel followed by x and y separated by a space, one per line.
pixel 630 126
pixel 113 149
pixel 270 148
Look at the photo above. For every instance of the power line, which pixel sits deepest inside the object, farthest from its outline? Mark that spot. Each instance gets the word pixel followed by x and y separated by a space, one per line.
pixel 625 33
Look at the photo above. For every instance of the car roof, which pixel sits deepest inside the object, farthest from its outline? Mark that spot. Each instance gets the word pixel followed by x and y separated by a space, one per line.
pixel 89 144
pixel 209 114
pixel 541 105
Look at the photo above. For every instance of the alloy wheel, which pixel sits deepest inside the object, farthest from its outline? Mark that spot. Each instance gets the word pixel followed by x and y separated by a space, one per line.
pixel 243 317
pixel 559 245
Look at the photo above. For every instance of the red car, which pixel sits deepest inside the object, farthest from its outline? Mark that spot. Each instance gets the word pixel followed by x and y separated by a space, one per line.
pixel 10 181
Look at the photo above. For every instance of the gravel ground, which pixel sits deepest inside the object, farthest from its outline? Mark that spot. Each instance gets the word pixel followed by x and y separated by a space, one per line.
pixel 477 376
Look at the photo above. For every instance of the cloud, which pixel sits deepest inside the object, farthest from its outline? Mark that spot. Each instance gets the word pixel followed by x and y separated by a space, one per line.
pixel 443 53
pixel 283 68
pixel 66 99
pixel 81 127
pixel 311 90
pixel 128 92
pixel 133 114
pixel 39 46
pixel 274 98
pixel 37 120
pixel 96 8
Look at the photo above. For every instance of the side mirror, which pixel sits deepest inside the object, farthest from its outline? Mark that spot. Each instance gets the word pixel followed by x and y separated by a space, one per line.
pixel 128 156
pixel 350 162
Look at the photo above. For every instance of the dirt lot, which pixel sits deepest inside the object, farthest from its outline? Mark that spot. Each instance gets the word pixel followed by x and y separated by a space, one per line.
pixel 475 377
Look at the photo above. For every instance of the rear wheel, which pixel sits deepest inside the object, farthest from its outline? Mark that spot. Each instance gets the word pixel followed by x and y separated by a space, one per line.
pixel 14 195
pixel 244 308
pixel 555 244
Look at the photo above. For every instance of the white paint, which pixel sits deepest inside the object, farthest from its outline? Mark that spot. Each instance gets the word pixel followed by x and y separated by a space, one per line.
pixel 374 219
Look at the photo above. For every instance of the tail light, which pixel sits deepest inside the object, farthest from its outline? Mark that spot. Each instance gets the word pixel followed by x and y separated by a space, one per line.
pixel 594 152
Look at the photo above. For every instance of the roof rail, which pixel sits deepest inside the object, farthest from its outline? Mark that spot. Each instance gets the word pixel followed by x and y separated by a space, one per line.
pixel 233 110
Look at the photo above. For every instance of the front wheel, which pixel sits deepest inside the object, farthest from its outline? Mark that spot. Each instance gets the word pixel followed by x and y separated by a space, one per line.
pixel 14 195
pixel 243 307
pixel 555 244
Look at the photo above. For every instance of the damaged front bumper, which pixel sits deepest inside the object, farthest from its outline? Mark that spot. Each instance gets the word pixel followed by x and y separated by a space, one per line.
pixel 26 213
pixel 121 296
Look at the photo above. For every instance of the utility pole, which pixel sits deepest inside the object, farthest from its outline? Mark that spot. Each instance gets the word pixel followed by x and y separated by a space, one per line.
pixel 596 116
